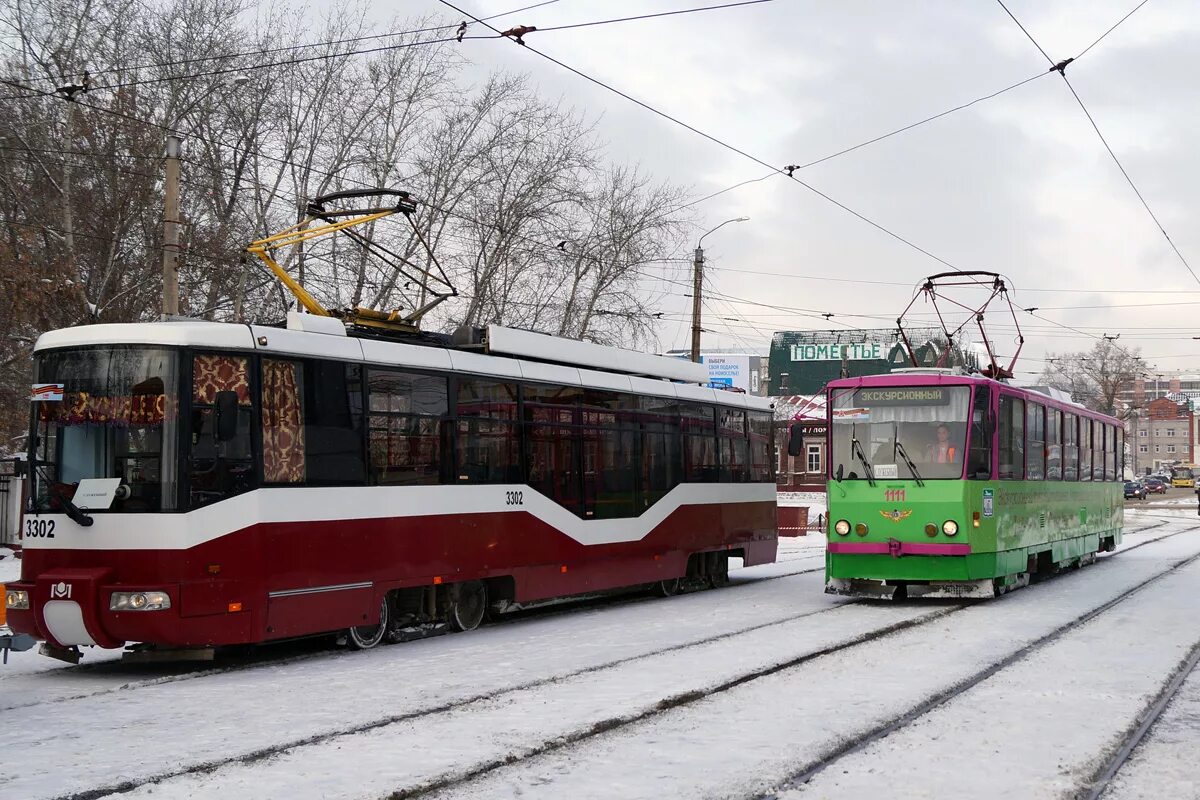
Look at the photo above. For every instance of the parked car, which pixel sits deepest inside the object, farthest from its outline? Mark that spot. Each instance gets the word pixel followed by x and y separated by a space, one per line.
pixel 1154 485
pixel 1134 490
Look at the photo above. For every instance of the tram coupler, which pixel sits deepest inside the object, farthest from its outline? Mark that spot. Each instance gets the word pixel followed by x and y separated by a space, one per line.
pixel 71 655
pixel 861 587
pixel 17 642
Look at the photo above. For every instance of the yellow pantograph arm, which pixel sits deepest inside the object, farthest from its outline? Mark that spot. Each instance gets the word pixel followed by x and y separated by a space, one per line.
pixel 300 232
pixel 307 300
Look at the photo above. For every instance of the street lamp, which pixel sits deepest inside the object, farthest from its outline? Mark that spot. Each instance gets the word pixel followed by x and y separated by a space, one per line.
pixel 698 279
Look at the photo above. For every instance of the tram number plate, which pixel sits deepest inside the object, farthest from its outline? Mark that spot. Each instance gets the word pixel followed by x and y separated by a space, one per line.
pixel 514 498
pixel 39 528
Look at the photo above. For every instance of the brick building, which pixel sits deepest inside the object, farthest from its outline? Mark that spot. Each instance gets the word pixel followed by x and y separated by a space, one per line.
pixel 1164 433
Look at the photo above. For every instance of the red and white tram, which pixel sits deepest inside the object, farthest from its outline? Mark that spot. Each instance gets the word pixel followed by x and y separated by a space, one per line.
pixel 201 484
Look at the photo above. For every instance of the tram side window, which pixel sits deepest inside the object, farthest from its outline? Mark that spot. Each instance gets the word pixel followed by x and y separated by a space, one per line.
pixel 333 430
pixel 282 421
pixel 760 446
pixel 1053 444
pixel 979 457
pixel 1035 450
pixel 407 423
pixel 610 471
pixel 1110 453
pixel 1085 449
pixel 1070 447
pixel 1120 453
pixel 1012 438
pixel 487 432
pixel 735 450
pixel 699 443
pixel 220 461
pixel 610 454
pixel 551 419
pixel 661 457
pixel 1098 450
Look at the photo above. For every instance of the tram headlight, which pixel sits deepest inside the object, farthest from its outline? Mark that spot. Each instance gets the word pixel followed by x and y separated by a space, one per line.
pixel 949 527
pixel 842 527
pixel 16 599
pixel 139 601
pixel 861 529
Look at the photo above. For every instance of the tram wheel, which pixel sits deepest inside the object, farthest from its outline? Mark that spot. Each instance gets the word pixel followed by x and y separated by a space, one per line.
pixel 468 604
pixel 364 637
pixel 668 588
pixel 719 576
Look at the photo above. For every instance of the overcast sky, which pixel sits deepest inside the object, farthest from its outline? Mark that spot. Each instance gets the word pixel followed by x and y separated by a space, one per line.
pixel 1019 184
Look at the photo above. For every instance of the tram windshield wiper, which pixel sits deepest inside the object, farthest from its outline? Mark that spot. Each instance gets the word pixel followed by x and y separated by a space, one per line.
pixel 856 448
pixel 76 514
pixel 899 448
pixel 909 462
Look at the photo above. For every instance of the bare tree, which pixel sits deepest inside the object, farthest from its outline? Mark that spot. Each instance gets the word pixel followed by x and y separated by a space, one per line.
pixel 1095 378
pixel 514 193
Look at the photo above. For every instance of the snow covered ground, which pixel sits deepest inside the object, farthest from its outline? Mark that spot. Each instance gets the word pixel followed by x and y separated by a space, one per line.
pixel 767 688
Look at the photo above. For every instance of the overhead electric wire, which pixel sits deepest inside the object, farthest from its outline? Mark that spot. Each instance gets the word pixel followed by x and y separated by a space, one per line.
pixel 290 48
pixel 997 93
pixel 1132 185
pixel 244 68
pixel 1110 30
pixel 1061 69
pixel 1027 33
pixel 646 16
pixel 721 143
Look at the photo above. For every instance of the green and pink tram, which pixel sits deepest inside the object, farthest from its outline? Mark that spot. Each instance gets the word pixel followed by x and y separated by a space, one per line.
pixel 945 484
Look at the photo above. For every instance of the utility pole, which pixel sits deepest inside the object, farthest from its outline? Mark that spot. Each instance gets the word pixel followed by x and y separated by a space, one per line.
pixel 697 282
pixel 170 249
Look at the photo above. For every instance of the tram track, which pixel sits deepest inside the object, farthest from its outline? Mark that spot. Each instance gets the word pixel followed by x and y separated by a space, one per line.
pixel 1141 727
pixel 454 705
pixel 896 723
pixel 266 660
pixel 671 702
pixel 686 698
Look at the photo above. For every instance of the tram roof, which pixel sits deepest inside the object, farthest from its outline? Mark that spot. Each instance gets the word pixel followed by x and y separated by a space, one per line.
pixel 945 377
pixel 297 342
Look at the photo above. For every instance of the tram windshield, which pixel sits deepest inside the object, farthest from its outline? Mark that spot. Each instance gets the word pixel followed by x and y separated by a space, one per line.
pixel 117 418
pixel 893 430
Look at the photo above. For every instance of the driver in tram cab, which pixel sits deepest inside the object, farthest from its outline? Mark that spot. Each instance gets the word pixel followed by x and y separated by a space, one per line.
pixel 941 451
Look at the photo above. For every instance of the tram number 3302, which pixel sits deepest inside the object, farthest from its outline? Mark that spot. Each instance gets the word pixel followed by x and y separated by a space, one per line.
pixel 514 498
pixel 39 528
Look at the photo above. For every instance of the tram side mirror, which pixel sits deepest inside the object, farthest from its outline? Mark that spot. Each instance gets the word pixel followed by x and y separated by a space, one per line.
pixel 838 475
pixel 227 416
pixel 795 441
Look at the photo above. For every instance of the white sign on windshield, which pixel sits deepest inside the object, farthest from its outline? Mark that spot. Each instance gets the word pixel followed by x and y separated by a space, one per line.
pixel 47 391
pixel 96 493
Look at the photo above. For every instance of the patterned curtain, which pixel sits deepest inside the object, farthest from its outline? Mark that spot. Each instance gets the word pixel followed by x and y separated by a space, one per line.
pixel 214 373
pixel 85 408
pixel 282 423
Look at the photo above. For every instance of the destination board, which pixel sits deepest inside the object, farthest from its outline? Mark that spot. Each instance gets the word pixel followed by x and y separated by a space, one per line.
pixel 905 396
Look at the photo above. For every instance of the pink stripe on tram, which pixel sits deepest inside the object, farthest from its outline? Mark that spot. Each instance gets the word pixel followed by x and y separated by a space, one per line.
pixel 906 548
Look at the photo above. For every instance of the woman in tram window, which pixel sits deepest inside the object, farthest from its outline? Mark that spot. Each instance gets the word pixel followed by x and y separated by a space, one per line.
pixel 941 451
